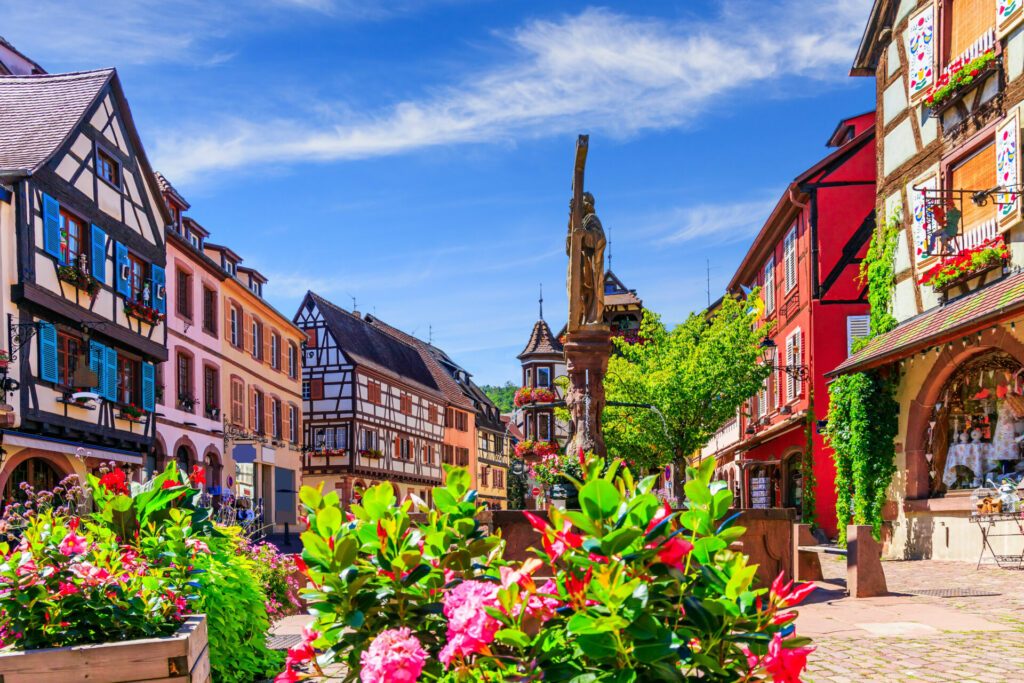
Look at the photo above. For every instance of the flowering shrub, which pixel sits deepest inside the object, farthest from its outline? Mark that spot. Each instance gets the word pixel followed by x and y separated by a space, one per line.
pixel 966 262
pixel 638 592
pixel 80 279
pixel 529 447
pixel 527 395
pixel 957 76
pixel 276 574
pixel 555 468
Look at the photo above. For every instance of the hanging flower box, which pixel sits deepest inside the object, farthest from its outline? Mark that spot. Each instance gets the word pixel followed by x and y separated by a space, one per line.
pixel 957 78
pixel 374 453
pixel 80 279
pixel 5 360
pixel 954 270
pixel 527 395
pixel 540 449
pixel 183 656
pixel 131 412
pixel 147 314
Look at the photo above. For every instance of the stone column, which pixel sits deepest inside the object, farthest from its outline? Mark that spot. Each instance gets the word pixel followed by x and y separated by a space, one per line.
pixel 586 358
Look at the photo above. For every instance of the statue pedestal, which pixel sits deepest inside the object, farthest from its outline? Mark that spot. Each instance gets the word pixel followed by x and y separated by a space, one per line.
pixel 586 359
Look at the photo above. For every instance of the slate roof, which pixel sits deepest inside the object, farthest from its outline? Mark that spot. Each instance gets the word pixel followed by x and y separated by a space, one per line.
pixel 453 394
pixel 166 187
pixel 38 113
pixel 541 341
pixel 941 324
pixel 373 348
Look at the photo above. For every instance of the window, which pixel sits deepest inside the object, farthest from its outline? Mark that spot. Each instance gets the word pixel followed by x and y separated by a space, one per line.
pixel 257 415
pixel 544 427
pixel 257 339
pixel 462 457
pixel 211 389
pixel 405 404
pixel 186 393
pixel 498 479
pixel 428 454
pixel 403 448
pixel 456 419
pixel 184 293
pixel 341 438
pixel 367 440
pixel 275 418
pixel 976 172
pixel 543 377
pixel 136 276
pixel 275 350
pixel 209 310
pixel 293 360
pixel 127 379
pixel 72 238
pixel 108 169
pixel 857 327
pixel 432 414
pixel 448 454
pixel 769 285
pixel 316 389
pixel 305 390
pixel 311 338
pixel 195 240
pixel 237 401
pixel 256 288
pixel 293 424
pixel 969 21
pixel 373 392
pixel 789 259
pixel 794 355
pixel 529 377
pixel 68 349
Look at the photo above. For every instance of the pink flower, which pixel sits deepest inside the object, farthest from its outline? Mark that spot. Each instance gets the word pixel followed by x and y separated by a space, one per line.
pixel 66 589
pixel 303 652
pixel 470 628
pixel 673 552
pixel 73 544
pixel 197 546
pixel 289 675
pixel 785 664
pixel 788 594
pixel 395 656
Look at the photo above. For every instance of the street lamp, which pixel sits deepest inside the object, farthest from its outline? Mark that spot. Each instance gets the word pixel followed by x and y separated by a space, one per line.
pixel 769 354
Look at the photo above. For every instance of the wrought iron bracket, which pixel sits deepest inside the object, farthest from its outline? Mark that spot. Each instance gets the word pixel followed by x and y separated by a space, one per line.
pixel 18 334
pixel 798 372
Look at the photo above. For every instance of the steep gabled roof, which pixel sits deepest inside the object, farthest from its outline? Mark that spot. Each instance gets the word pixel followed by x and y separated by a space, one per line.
pixel 879 19
pixel 167 188
pixel 373 348
pixel 449 387
pixel 617 294
pixel 7 44
pixel 39 113
pixel 542 342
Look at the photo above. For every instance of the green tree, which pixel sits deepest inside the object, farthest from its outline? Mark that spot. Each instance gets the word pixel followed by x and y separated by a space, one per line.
pixel 503 395
pixel 696 375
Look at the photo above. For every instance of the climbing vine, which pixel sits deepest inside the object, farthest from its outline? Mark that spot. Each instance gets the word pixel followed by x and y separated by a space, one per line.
pixel 808 512
pixel 878 272
pixel 862 425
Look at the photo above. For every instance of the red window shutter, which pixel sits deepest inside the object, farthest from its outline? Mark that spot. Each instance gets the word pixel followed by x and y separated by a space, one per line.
pixel 267 334
pixel 247 332
pixel 252 409
pixel 316 388
pixel 311 338
pixel 286 422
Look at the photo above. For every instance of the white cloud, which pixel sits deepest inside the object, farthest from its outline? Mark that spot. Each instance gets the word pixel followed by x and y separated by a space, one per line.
pixel 597 70
pixel 712 224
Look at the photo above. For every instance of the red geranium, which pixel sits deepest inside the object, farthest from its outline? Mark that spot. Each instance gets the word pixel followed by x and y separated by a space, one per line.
pixel 198 476
pixel 115 481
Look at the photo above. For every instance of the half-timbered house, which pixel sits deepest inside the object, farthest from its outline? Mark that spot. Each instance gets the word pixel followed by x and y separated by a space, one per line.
pixel 82 257
pixel 373 410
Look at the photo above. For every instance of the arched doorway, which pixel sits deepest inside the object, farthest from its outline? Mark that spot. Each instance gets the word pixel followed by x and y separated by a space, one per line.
pixel 213 467
pixel 39 473
pixel 793 490
pixel 184 459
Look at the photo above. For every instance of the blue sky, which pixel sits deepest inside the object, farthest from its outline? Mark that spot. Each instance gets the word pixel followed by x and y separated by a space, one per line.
pixel 417 155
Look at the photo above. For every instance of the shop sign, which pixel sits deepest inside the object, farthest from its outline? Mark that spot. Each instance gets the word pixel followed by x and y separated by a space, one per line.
pixel 761 492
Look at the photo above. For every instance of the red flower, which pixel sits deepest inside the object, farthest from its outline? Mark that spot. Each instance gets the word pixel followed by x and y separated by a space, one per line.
pixel 785 664
pixel 674 551
pixel 582 457
pixel 198 476
pixel 576 588
pixel 169 484
pixel 659 515
pixel 536 522
pixel 115 481
pixel 789 594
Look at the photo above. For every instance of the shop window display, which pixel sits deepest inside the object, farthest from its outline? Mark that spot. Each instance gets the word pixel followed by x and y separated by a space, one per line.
pixel 977 429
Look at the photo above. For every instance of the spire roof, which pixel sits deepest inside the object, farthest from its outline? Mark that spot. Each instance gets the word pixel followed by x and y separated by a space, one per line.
pixel 542 342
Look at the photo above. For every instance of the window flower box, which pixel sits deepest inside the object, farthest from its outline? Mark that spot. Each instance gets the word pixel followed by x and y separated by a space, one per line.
pixel 181 656
pixel 374 453
pixel 958 77
pixel 970 263
pixel 527 395
pixel 5 360
pixel 540 449
pixel 142 311
pixel 74 275
pixel 131 412
pixel 213 412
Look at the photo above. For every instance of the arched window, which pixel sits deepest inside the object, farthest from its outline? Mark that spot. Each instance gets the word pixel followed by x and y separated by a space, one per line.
pixel 40 474
pixel 184 459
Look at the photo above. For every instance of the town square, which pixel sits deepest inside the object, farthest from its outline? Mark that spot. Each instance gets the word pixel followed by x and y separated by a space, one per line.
pixel 472 341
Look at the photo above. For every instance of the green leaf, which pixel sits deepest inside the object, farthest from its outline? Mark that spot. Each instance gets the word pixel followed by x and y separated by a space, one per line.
pixel 513 637
pixel 697 492
pixel 618 540
pixel 599 499
pixel 328 521
pixel 310 497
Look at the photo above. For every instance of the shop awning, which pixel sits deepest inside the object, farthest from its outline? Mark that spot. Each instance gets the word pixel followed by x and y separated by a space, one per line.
pixel 960 317
pixel 81 450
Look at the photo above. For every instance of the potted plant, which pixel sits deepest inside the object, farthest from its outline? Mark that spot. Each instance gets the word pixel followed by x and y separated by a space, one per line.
pixel 527 395
pixel 212 411
pixel 957 77
pixel 142 311
pixel 131 412
pixel 187 402
pixel 5 359
pixel 79 278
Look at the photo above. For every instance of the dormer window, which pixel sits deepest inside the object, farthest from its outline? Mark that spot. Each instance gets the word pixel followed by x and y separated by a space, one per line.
pixel 256 288
pixel 108 169
pixel 229 265
pixel 195 240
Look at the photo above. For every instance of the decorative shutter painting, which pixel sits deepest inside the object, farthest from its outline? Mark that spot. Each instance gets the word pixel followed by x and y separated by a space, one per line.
pixel 110 373
pixel 921 52
pixel 159 287
pixel 919 219
pixel 47 352
pixel 148 387
pixel 1009 14
pixel 1008 170
pixel 96 359
pixel 51 227
pixel 99 254
pixel 789 259
pixel 769 285
pixel 121 276
pixel 857 327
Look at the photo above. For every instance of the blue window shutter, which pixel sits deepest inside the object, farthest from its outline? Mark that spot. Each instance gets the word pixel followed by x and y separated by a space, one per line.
pixel 110 373
pixel 47 352
pixel 96 365
pixel 99 254
pixel 159 289
pixel 122 277
pixel 51 227
pixel 148 387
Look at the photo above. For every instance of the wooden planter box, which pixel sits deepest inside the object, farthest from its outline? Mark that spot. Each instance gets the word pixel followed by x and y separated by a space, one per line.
pixel 182 658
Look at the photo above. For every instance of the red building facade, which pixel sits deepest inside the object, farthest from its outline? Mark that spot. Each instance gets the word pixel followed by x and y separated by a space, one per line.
pixel 805 260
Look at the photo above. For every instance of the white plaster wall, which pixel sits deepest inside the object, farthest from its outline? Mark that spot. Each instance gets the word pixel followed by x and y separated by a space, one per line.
pixel 893 59
pixel 904 304
pixel 902 259
pixel 928 125
pixel 894 101
pixel 899 146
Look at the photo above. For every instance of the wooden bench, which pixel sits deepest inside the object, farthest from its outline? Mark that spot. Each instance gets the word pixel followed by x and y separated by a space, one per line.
pixel 865 577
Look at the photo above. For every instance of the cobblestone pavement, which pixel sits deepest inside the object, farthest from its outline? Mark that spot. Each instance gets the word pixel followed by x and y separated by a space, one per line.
pixel 916 635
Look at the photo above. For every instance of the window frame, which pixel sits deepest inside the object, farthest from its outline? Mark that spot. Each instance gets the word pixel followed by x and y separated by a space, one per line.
pixel 138 277
pixel 275 350
pixel 209 310
pixel 67 219
pixel 546 373
pixel 789 244
pixel 235 323
pixel 293 423
pixel 126 362
pixel 67 362
pixel 211 389
pixel 183 293
pixel 102 157
pixel 293 360
pixel 185 360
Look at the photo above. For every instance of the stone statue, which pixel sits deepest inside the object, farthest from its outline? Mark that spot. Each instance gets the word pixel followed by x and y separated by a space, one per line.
pixel 590 259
